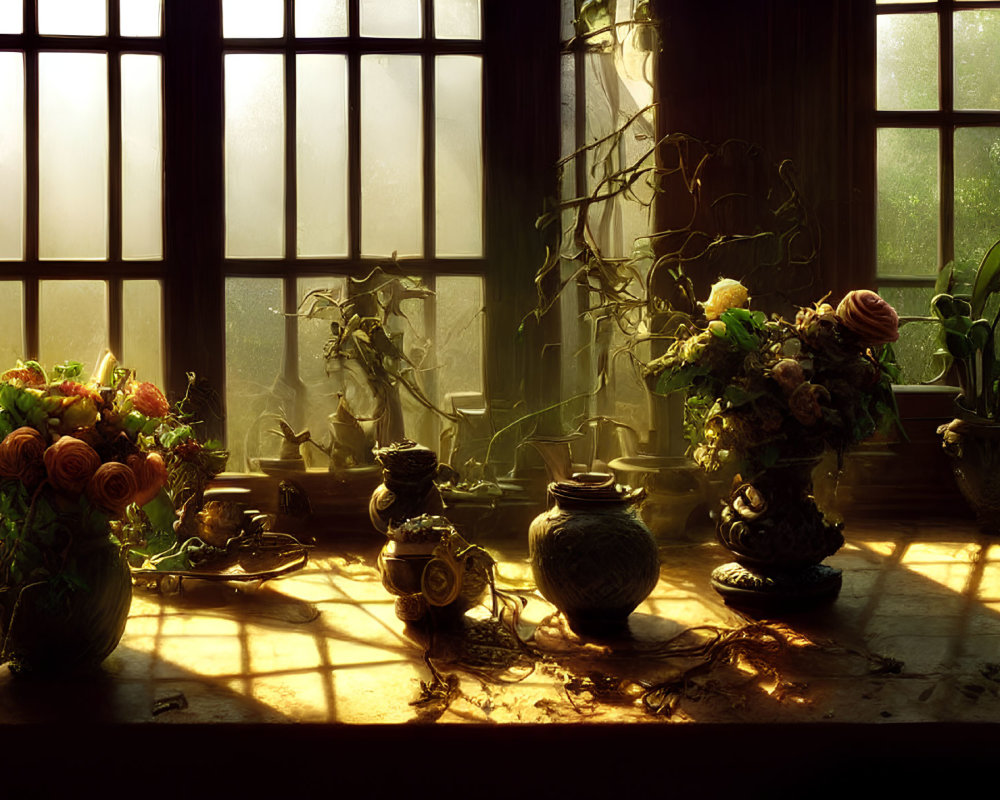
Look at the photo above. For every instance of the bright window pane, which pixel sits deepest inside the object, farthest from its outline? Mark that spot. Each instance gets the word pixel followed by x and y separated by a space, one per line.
pixel 388 18
pixel 12 156
pixel 142 329
pixel 321 152
pixel 73 155
pixel 11 323
pixel 255 335
pixel 10 16
pixel 459 334
pixel 72 17
pixel 320 389
pixel 391 156
pixel 457 19
pixel 458 156
pixel 320 18
pixel 907 161
pixel 141 17
pixel 907 58
pixel 977 59
pixel 72 320
pixel 142 157
pixel 977 191
pixel 253 19
pixel 255 155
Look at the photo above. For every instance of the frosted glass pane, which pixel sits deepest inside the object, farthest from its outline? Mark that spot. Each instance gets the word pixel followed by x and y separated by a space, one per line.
pixel 85 303
pixel 255 155
pixel 141 17
pixel 12 155
pixel 977 54
pixel 73 17
pixel 142 329
pixel 255 335
pixel 253 18
pixel 73 155
pixel 457 19
pixel 10 16
pixel 391 156
pixel 11 323
pixel 917 343
pixel 907 164
pixel 142 157
pixel 977 191
pixel 320 18
pixel 458 155
pixel 320 389
pixel 321 152
pixel 388 18
pixel 459 334
pixel 907 61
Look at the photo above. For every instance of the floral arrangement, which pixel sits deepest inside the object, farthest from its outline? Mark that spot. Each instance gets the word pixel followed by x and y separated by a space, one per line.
pixel 761 389
pixel 85 461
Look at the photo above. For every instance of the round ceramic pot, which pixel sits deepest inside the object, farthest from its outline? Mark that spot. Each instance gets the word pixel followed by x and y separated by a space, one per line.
pixel 592 556
pixel 407 489
pixel 49 628
pixel 974 446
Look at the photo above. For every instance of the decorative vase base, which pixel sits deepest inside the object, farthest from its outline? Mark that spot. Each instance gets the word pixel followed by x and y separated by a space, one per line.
pixel 810 585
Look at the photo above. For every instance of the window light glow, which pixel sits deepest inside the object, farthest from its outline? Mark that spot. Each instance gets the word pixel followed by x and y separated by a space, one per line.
pixel 72 17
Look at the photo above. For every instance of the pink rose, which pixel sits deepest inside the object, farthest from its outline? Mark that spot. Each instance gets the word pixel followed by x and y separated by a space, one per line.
pixel 112 487
pixel 869 317
pixel 70 463
pixel 22 456
pixel 149 400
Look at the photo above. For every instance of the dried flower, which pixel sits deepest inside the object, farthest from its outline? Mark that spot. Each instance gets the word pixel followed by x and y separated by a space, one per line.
pixel 726 293
pixel 788 373
pixel 70 464
pixel 867 315
pixel 112 487
pixel 149 400
pixel 804 403
pixel 21 456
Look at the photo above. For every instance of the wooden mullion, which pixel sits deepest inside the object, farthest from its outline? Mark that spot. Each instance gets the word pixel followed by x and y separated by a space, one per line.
pixel 353 134
pixel 30 284
pixel 946 158
pixel 115 150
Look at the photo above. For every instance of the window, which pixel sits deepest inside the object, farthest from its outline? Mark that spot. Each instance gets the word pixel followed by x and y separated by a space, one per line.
pixel 175 177
pixel 937 134
pixel 80 181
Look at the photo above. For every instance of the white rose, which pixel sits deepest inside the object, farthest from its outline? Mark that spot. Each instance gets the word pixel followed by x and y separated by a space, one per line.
pixel 726 293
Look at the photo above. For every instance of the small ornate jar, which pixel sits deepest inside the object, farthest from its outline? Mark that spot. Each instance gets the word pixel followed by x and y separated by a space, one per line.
pixel 591 555
pixel 407 489
pixel 432 570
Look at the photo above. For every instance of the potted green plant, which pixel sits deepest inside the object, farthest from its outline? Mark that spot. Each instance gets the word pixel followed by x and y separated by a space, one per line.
pixel 765 397
pixel 966 308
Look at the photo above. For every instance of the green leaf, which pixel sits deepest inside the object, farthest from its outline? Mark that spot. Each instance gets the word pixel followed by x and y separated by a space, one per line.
pixel 69 370
pixel 987 279
pixel 736 332
pixel 682 378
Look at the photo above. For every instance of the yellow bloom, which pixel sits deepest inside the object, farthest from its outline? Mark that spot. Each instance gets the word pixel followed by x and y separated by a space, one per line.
pixel 726 293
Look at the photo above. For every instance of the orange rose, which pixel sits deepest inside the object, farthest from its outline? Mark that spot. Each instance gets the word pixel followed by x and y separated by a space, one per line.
pixel 149 400
pixel 21 456
pixel 868 316
pixel 150 475
pixel 70 463
pixel 112 487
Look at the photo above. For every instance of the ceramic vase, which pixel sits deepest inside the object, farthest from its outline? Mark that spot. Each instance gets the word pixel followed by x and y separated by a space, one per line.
pixel 407 489
pixel 592 556
pixel 973 443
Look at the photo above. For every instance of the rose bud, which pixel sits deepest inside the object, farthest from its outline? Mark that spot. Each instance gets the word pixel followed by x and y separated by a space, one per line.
pixel 150 475
pixel 22 456
pixel 112 487
pixel 70 463
pixel 869 317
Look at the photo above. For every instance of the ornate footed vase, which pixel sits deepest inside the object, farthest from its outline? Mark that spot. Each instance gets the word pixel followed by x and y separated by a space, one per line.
pixel 592 556
pixel 779 538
